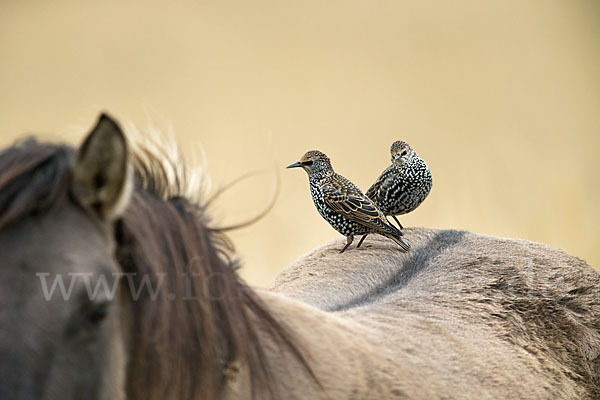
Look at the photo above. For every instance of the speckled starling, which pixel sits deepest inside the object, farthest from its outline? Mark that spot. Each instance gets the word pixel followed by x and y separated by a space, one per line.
pixel 342 204
pixel 403 185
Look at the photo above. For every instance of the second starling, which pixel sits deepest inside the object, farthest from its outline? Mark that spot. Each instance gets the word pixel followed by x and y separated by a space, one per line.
pixel 404 185
pixel 342 204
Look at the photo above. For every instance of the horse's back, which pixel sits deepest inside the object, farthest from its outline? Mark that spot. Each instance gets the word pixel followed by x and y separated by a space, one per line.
pixel 480 314
pixel 440 261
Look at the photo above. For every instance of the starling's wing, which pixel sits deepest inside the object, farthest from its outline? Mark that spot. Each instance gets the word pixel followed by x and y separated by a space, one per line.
pixel 343 197
pixel 374 191
pixel 392 187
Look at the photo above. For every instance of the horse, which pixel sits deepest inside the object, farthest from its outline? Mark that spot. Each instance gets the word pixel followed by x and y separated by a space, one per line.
pixel 153 308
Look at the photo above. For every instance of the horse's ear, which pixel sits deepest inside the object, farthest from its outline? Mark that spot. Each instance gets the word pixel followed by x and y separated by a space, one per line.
pixel 102 172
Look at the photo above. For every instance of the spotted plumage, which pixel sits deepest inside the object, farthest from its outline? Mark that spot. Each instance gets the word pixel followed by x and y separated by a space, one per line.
pixel 404 185
pixel 342 204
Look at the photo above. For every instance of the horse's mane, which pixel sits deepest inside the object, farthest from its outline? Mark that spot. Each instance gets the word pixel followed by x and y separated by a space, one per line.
pixel 33 179
pixel 199 324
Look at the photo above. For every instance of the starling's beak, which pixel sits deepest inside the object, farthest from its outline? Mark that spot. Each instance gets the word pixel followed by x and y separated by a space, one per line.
pixel 294 165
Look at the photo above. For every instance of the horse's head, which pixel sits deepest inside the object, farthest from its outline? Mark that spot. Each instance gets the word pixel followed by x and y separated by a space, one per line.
pixel 111 283
pixel 61 324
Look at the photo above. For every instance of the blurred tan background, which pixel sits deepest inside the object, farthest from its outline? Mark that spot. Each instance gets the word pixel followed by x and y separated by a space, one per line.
pixel 502 99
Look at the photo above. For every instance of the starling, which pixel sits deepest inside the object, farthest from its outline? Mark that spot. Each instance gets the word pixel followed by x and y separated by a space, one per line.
pixel 403 185
pixel 342 204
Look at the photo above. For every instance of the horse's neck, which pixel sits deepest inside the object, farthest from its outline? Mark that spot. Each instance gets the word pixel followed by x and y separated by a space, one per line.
pixel 340 356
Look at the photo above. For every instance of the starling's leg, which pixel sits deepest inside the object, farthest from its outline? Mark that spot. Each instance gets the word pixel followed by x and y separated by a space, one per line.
pixel 349 242
pixel 398 222
pixel 361 240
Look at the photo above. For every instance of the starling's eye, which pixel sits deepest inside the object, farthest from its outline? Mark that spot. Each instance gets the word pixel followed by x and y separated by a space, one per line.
pixel 403 153
pixel 307 163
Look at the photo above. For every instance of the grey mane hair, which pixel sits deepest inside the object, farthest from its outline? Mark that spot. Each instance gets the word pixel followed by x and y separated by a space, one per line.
pixel 179 177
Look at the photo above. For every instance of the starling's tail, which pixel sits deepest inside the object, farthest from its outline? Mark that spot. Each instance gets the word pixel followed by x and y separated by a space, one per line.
pixel 391 232
pixel 403 243
pixel 396 235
